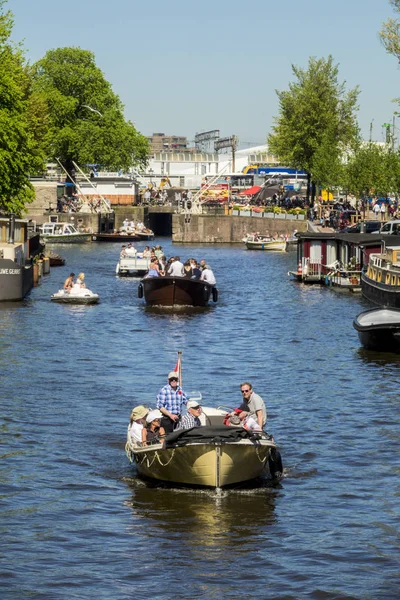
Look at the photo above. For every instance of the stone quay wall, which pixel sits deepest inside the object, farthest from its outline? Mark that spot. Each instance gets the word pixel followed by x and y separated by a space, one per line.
pixel 229 229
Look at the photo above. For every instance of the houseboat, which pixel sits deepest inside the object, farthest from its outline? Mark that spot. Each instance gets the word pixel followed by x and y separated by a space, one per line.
pixel 380 281
pixel 334 259
pixel 18 245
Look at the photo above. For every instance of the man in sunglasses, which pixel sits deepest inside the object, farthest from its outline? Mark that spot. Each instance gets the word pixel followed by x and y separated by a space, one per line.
pixel 253 404
pixel 170 399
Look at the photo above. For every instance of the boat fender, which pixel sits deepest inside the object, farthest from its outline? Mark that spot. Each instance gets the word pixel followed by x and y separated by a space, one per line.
pixel 215 294
pixel 140 290
pixel 117 269
pixel 275 463
pixel 206 293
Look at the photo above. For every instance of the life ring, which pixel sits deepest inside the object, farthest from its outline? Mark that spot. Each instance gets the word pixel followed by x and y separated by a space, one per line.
pixel 206 293
pixel 140 290
pixel 215 294
pixel 94 238
pixel 275 463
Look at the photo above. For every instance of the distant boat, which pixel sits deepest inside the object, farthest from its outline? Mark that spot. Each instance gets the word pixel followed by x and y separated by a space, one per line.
pixel 62 233
pixel 379 329
pixel 176 291
pixel 256 242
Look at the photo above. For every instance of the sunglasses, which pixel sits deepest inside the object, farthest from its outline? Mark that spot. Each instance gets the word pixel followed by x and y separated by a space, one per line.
pixel 196 407
pixel 174 379
pixel 245 391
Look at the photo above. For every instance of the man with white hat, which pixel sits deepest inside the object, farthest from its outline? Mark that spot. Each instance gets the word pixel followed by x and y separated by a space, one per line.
pixel 192 418
pixel 170 399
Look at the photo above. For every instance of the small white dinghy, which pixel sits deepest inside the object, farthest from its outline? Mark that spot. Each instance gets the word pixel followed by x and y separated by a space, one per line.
pixel 75 296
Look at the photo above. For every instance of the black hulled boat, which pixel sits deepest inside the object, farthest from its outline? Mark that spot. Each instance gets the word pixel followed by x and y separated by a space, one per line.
pixel 379 329
pixel 176 291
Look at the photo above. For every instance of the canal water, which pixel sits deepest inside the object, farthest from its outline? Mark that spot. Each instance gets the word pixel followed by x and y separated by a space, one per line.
pixel 76 523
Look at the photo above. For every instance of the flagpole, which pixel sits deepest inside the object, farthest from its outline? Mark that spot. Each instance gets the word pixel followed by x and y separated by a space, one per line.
pixel 180 366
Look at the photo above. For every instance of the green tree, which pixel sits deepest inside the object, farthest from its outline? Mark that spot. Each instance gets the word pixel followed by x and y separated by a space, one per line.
pixel 373 171
pixel 20 154
pixel 316 122
pixel 390 32
pixel 86 122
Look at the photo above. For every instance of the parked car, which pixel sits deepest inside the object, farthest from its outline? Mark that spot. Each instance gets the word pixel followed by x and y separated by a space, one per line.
pixel 389 228
pixel 369 227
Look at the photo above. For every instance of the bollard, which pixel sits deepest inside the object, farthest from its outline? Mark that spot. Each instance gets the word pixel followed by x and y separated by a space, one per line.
pixel 40 263
pixel 35 274
pixel 46 265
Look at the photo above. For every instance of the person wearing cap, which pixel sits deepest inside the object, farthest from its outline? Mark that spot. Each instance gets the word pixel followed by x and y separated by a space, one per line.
pixel 170 399
pixel 192 418
pixel 136 423
pixel 153 430
pixel 207 275
pixel 253 405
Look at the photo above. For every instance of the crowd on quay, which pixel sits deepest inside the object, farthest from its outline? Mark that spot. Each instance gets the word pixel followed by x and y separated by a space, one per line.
pixel 154 197
pixel 160 266
pixel 148 426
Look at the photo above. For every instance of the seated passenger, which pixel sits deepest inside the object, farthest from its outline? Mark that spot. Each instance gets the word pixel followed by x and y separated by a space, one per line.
pixel 154 270
pixel 146 252
pixel 196 271
pixel 176 268
pixel 136 423
pixel 152 433
pixel 207 275
pixel 131 250
pixel 80 281
pixel 187 269
pixel 123 254
pixel 192 418
pixel 69 283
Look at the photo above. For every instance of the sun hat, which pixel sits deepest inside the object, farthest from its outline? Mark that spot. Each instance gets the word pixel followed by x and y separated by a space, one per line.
pixel 139 412
pixel 192 404
pixel 173 375
pixel 153 414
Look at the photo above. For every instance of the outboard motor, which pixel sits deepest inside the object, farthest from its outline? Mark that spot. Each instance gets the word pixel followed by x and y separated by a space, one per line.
pixel 11 229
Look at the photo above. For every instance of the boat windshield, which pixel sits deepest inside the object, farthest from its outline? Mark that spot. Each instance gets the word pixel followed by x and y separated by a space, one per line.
pixel 196 396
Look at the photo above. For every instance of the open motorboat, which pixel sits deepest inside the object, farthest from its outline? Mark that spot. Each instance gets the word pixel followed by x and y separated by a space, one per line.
pixel 176 291
pixel 132 265
pixel 213 455
pixel 62 233
pixel 260 242
pixel 75 296
pixel 379 329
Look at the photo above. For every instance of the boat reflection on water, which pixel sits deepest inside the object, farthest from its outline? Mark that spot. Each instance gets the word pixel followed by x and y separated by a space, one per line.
pixel 205 517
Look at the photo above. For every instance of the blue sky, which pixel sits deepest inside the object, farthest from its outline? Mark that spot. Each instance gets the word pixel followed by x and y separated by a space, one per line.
pixel 182 67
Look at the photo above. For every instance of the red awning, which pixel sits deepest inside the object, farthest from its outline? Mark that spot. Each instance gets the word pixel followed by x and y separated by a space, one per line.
pixel 251 191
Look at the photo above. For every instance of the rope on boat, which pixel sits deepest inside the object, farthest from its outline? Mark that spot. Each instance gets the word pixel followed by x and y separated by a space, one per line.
pixel 143 457
pixel 262 460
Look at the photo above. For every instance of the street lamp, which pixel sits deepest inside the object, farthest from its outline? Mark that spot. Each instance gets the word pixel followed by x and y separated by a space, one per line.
pixel 151 174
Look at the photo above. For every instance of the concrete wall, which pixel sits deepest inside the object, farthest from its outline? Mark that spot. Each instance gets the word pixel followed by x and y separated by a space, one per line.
pixel 228 229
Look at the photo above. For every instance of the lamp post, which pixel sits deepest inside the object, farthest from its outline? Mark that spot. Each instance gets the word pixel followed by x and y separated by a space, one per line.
pixel 151 176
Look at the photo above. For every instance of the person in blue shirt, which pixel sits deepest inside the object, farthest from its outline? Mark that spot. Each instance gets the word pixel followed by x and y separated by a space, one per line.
pixel 170 400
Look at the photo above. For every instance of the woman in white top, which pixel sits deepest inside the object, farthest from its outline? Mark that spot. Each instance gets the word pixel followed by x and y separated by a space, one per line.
pixel 136 424
pixel 80 281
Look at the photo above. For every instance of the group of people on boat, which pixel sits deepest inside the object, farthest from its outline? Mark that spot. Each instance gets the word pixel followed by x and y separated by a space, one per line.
pixel 70 285
pixel 149 426
pixel 132 227
pixel 173 267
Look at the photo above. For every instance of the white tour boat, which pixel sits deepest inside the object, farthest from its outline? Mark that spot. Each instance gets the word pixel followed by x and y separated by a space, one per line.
pixel 62 233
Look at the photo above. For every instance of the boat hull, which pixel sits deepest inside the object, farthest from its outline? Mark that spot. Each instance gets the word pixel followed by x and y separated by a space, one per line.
pixel 205 465
pixel 379 329
pixel 380 293
pixel 73 238
pixel 15 280
pixel 176 291
pixel 63 298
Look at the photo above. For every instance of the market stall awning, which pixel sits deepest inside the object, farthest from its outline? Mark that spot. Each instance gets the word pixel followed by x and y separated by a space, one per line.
pixel 251 191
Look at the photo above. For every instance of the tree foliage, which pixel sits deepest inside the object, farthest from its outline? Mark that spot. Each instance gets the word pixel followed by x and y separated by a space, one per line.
pixel 373 171
pixel 20 154
pixel 390 32
pixel 85 117
pixel 316 122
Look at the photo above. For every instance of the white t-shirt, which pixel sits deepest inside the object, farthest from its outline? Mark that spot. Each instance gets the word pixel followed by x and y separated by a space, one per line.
pixel 176 269
pixel 135 432
pixel 208 276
